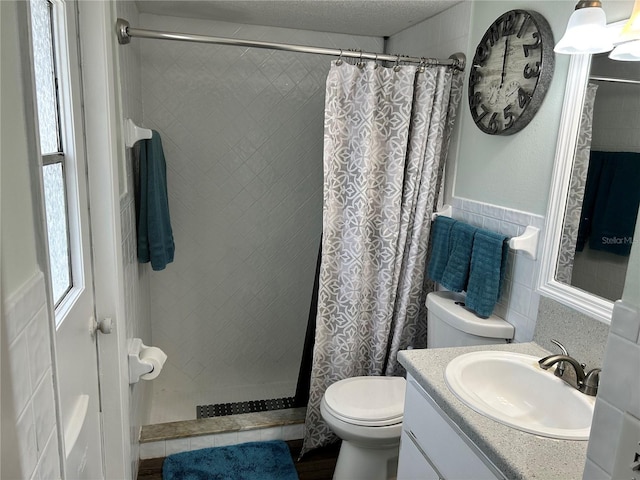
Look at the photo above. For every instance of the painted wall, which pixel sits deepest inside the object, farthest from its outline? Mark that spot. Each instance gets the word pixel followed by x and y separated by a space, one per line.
pixel 515 171
pixel 18 234
pixel 242 132
pixel 28 423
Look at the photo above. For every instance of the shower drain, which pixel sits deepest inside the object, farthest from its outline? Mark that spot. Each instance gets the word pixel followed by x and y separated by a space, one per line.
pixel 235 408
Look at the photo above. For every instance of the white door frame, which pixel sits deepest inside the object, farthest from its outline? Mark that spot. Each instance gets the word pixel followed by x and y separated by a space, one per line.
pixel 105 151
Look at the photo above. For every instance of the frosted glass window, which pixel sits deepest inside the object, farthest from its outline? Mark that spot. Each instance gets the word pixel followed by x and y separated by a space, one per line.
pixel 57 229
pixel 44 70
pixel 53 161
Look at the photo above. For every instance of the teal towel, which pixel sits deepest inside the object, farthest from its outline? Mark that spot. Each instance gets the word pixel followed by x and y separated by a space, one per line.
pixel 456 273
pixel 440 235
pixel 610 203
pixel 486 275
pixel 155 237
pixel 616 206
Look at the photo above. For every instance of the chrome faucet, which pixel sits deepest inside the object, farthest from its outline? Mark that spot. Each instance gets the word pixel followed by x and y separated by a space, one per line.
pixel 587 383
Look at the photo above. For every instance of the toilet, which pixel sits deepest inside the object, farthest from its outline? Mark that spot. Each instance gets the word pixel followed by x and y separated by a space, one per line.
pixel 366 412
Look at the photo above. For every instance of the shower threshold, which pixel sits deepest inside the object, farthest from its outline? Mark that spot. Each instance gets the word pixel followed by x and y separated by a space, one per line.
pixel 237 408
pixel 291 420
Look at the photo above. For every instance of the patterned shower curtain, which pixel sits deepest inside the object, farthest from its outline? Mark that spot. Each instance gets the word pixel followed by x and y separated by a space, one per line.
pixel 386 135
pixel 578 181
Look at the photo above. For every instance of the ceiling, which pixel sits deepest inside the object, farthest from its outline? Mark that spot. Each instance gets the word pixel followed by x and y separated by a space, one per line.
pixel 380 18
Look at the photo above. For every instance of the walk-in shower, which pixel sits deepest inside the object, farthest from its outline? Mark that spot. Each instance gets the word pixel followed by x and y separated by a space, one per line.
pixel 242 130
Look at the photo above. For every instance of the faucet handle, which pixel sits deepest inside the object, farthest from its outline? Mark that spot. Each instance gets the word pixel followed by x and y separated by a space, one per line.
pixel 560 367
pixel 591 382
pixel 556 342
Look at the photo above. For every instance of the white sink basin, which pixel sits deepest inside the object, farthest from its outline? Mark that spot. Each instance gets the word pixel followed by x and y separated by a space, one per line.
pixel 512 389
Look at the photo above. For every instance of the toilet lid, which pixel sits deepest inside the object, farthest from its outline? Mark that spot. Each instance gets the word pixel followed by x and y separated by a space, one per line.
pixel 367 400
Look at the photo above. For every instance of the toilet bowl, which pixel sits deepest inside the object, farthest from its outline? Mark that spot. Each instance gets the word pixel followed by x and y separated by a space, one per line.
pixel 366 413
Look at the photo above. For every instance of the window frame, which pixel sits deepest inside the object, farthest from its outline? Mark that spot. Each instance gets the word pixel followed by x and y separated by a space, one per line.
pixel 70 145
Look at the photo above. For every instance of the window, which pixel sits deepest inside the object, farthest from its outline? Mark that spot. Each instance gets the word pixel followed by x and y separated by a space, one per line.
pixel 52 148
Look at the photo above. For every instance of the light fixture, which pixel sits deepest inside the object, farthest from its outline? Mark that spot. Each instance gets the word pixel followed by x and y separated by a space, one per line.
pixel 586 31
pixel 629 50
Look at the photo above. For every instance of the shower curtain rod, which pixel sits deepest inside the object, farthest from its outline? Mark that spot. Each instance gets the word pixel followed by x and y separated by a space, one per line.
pixel 125 32
pixel 613 79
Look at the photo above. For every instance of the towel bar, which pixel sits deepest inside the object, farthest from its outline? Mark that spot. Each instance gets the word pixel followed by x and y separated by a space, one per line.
pixel 134 133
pixel 527 242
pixel 447 211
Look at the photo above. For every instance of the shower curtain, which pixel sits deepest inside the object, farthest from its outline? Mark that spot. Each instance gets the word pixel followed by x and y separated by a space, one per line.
pixel 573 211
pixel 386 135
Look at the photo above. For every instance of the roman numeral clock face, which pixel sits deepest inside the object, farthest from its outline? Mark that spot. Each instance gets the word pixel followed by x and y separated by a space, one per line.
pixel 511 72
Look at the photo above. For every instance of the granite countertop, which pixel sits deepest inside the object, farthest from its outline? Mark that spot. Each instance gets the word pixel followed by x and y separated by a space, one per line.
pixel 518 455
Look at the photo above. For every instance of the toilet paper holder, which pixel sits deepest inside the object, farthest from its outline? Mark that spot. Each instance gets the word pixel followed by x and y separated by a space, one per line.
pixel 137 367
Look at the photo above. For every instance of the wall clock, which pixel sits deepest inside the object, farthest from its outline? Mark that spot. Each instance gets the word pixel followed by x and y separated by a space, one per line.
pixel 511 72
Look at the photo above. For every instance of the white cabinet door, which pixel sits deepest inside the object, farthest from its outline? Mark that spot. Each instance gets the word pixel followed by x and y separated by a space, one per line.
pixel 450 453
pixel 413 463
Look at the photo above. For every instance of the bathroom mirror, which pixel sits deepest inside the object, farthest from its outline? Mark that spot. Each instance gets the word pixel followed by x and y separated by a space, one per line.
pixel 585 278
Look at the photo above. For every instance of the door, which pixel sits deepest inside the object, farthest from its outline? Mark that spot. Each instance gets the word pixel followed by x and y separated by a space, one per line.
pixel 59 104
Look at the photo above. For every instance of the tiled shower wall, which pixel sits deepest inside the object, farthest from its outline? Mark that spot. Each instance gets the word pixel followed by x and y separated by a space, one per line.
pixel 242 134
pixel 136 276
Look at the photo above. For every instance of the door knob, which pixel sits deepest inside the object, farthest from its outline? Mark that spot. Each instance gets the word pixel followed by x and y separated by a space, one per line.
pixel 104 325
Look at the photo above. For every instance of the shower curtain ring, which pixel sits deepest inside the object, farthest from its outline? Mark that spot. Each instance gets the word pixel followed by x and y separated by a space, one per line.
pixel 423 65
pixel 375 61
pixel 396 68
pixel 339 60
pixel 360 63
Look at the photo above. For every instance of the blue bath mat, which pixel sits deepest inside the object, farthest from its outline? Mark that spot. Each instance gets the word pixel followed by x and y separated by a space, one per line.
pixel 246 461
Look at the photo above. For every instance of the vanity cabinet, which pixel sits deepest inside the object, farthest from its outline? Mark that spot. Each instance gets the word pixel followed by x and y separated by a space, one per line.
pixel 433 447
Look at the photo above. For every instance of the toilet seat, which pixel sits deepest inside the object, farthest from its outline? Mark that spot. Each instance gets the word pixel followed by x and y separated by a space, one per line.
pixel 367 401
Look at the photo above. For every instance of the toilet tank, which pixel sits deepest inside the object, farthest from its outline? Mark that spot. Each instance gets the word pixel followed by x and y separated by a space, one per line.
pixel 450 324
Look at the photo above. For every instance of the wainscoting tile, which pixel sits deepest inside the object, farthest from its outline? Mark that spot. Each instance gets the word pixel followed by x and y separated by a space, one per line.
pixel 202 441
pixel 519 302
pixel 44 410
pixel 524 271
pixel 177 445
pixel 626 321
pixel 273 433
pixel 222 439
pixel 19 367
pixel 603 440
pixel 621 360
pixel 293 432
pixel 520 298
pixel 594 472
pixel 249 436
pixel 152 450
pixel 22 305
pixel 26 436
pixel 39 344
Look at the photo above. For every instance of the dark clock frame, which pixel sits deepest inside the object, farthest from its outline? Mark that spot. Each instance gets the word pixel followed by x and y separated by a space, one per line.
pixel 545 75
